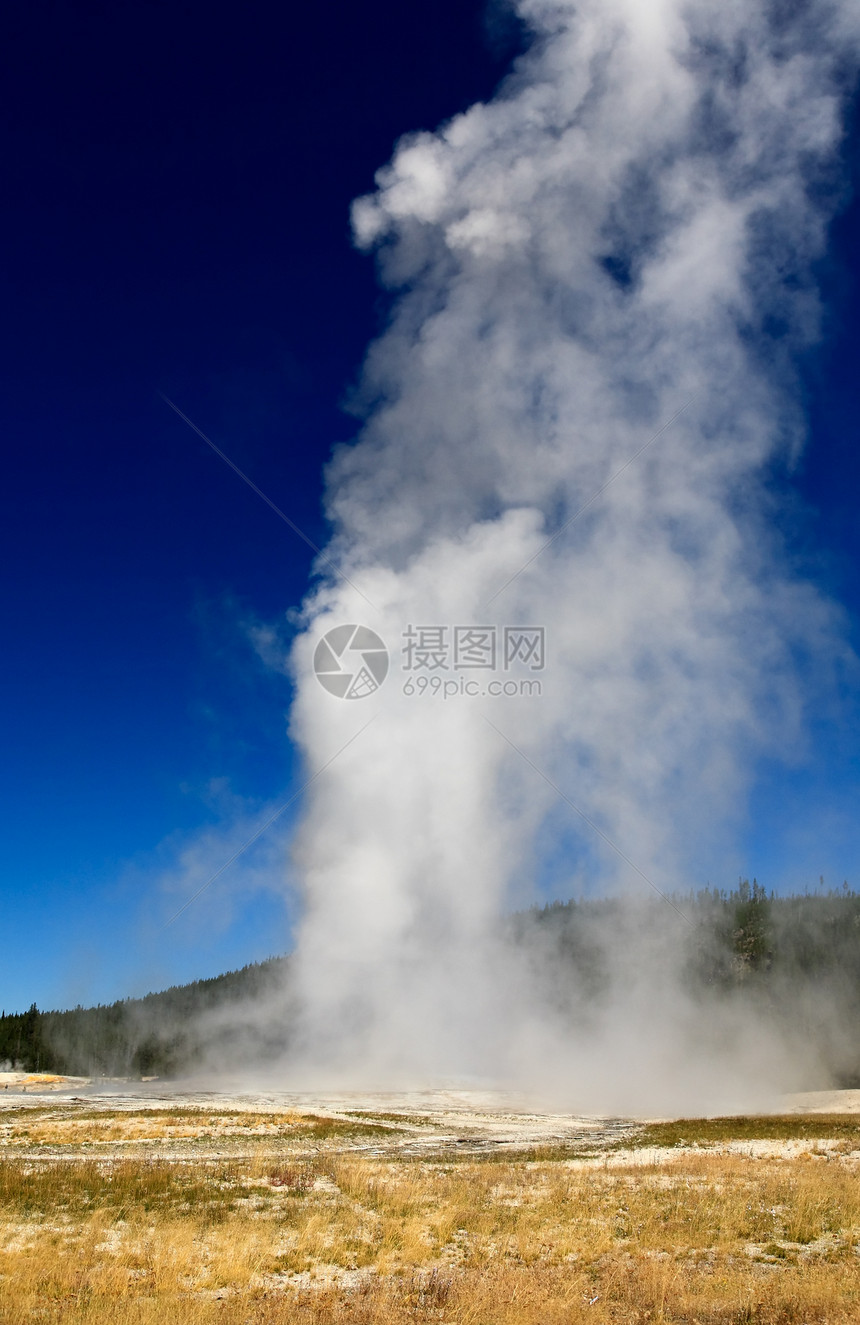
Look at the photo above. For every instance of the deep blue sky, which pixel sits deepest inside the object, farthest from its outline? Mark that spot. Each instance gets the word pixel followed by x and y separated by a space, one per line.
pixel 177 180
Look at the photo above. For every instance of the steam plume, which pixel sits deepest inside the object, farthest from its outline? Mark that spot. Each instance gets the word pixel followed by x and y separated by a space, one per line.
pixel 624 232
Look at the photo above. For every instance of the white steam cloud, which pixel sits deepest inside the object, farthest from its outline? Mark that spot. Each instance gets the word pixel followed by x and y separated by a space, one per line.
pixel 624 232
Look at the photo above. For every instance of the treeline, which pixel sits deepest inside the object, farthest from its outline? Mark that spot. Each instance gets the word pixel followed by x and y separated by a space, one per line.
pixel 788 965
pixel 742 937
pixel 793 961
pixel 160 1035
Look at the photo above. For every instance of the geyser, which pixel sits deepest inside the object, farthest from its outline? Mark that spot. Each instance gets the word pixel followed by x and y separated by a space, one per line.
pixel 617 248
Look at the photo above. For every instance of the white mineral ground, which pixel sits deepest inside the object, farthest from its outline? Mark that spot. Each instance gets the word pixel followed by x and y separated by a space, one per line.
pixel 424 1119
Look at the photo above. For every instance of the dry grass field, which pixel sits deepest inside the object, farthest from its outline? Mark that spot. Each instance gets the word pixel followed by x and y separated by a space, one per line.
pixel 205 1214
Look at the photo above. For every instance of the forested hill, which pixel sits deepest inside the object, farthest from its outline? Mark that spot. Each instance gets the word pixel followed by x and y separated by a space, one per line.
pixel 747 937
pixel 151 1036
pixel 793 961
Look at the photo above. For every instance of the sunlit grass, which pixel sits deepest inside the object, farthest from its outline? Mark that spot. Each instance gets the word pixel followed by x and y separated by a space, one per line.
pixel 767 1127
pixel 76 1128
pixel 337 1236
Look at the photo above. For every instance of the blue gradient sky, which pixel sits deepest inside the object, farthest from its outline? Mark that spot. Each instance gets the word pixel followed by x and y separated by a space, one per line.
pixel 177 184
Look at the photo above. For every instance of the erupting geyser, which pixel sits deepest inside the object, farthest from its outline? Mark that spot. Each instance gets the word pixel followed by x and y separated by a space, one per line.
pixel 624 232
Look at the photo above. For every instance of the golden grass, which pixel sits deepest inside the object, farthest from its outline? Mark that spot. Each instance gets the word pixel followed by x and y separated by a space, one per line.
pixel 762 1127
pixel 319 1236
pixel 75 1128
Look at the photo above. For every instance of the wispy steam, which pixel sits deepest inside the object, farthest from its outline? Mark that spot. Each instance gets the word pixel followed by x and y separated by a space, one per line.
pixel 627 228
